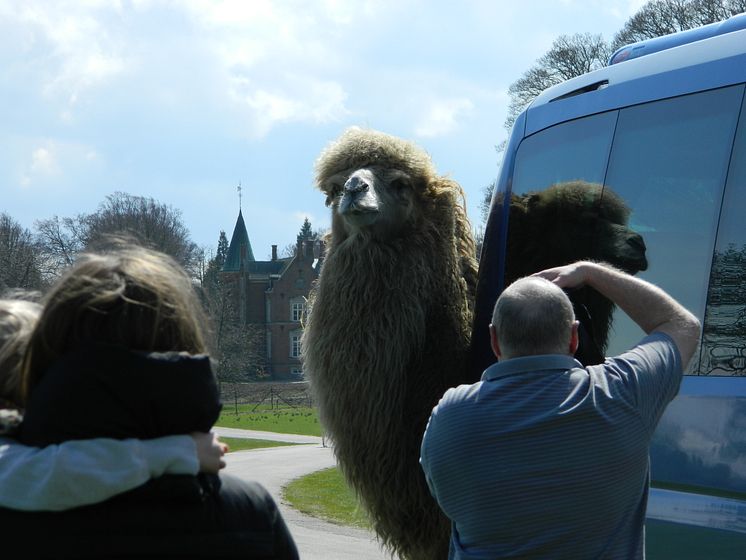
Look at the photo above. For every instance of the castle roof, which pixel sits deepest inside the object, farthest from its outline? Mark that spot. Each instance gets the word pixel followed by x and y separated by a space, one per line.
pixel 240 256
pixel 269 267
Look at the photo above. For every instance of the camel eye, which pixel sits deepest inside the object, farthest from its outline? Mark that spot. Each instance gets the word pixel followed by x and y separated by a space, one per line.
pixel 400 183
pixel 334 191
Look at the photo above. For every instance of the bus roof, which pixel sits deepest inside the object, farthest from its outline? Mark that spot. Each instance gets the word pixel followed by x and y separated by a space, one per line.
pixel 649 46
pixel 717 61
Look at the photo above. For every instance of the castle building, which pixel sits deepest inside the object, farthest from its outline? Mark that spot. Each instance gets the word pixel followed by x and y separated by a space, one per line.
pixel 271 297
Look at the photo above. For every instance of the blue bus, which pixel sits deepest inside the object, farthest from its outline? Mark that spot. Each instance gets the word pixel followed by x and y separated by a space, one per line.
pixel 662 127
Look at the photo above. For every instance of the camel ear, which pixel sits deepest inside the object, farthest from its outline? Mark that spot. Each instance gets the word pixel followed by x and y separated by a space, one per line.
pixel 532 201
pixel 449 197
pixel 445 186
pixel 518 211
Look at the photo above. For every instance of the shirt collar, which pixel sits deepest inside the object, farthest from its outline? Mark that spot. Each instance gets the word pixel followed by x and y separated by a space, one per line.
pixel 530 364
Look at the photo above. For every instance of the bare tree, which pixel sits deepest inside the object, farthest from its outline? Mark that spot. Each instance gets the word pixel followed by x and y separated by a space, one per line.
pixel 484 211
pixel 525 89
pixel 661 17
pixel 237 346
pixel 59 240
pixel 19 262
pixel 570 56
pixel 573 55
pixel 154 223
pixel 150 222
pixel 486 202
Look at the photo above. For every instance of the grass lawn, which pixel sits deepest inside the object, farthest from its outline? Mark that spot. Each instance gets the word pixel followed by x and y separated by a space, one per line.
pixel 242 444
pixel 325 494
pixel 303 421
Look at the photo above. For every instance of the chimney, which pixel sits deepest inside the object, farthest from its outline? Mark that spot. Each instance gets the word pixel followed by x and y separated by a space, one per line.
pixel 274 252
pixel 319 248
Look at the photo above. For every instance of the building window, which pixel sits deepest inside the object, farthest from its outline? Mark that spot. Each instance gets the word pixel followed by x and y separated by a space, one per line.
pixel 295 344
pixel 297 309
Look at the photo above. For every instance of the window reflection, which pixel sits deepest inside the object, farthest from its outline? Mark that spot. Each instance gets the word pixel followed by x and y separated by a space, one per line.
pixel 667 167
pixel 577 150
pixel 669 162
pixel 724 341
pixel 567 222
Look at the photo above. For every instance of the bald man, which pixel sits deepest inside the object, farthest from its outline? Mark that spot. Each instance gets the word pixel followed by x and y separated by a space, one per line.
pixel 545 458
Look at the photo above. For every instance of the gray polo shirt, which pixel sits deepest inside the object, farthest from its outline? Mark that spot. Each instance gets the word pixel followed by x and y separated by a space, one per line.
pixel 543 458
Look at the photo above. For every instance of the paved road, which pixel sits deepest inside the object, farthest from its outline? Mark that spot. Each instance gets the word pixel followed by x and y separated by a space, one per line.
pixel 256 434
pixel 274 468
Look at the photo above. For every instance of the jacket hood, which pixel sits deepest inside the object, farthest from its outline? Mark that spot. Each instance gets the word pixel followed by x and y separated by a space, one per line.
pixel 109 391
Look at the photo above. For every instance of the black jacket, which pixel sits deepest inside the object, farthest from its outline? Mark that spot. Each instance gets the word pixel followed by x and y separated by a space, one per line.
pixel 106 391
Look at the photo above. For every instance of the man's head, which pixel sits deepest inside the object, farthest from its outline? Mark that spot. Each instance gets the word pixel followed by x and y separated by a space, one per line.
pixel 531 317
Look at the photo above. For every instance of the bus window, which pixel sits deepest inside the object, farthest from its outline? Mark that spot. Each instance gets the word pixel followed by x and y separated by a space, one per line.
pixel 668 163
pixel 555 170
pixel 724 341
pixel 575 150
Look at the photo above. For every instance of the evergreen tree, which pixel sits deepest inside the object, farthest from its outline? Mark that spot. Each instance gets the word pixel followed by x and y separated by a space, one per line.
pixel 215 265
pixel 222 253
pixel 305 231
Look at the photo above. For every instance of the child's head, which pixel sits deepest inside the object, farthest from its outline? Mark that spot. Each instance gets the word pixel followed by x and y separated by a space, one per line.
pixel 17 321
pixel 134 298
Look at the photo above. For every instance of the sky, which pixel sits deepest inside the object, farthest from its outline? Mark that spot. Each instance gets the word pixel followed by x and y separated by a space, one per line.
pixel 182 101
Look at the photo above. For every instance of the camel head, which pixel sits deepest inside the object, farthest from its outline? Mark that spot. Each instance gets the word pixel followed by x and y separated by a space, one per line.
pixel 571 221
pixel 375 184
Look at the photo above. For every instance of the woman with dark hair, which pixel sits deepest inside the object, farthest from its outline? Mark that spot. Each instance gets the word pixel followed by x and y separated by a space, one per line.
pixel 120 352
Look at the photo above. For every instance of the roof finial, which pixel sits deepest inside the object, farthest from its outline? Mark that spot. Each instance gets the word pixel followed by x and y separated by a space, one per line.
pixel 239 195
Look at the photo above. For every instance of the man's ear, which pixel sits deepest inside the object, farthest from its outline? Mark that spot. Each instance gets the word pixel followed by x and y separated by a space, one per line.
pixel 574 338
pixel 493 342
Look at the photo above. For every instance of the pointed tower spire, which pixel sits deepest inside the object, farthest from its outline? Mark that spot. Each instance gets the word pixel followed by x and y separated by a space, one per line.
pixel 239 251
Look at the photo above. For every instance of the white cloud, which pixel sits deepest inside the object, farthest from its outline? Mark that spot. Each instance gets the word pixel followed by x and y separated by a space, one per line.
pixel 443 116
pixel 297 99
pixel 237 50
pixel 69 45
pixel 43 161
pixel 280 61
pixel 52 159
pixel 631 8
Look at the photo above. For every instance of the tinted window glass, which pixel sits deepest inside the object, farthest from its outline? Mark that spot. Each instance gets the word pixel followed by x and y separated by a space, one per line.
pixel 669 162
pixel 724 341
pixel 574 150
pixel 557 188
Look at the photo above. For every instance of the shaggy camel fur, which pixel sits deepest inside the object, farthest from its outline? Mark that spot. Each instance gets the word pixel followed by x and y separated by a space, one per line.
pixel 389 325
pixel 568 222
